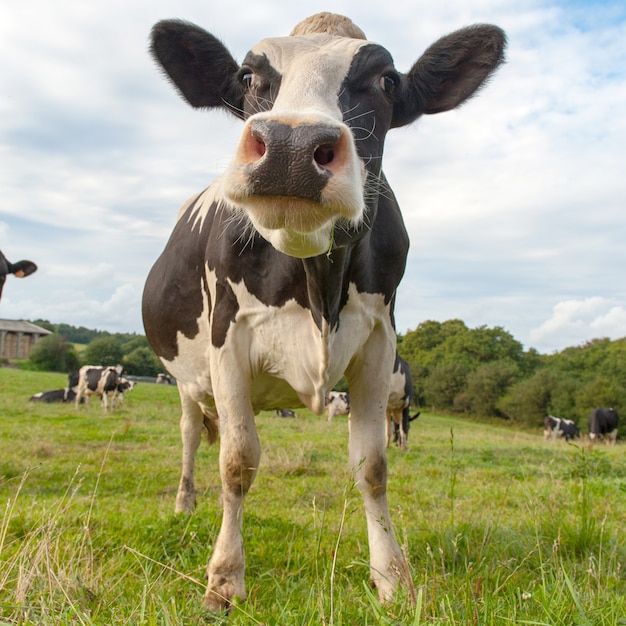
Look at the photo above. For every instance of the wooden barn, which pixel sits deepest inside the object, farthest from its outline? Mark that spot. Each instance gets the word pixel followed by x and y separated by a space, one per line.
pixel 18 337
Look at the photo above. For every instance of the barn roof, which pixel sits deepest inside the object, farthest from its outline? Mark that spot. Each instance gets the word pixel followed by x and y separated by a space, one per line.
pixel 22 326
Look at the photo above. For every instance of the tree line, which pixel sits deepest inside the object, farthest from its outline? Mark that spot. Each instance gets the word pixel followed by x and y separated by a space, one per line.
pixel 473 371
pixel 69 347
pixel 486 372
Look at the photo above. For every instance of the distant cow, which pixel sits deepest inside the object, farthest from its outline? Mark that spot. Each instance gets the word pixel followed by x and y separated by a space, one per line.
pixel 123 386
pixel 164 379
pixel 19 269
pixel 603 423
pixel 54 395
pixel 337 403
pixel 94 380
pixel 555 427
pixel 399 404
pixel 285 413
pixel 281 276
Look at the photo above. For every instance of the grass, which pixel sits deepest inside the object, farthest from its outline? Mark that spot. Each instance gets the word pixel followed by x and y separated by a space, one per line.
pixel 498 526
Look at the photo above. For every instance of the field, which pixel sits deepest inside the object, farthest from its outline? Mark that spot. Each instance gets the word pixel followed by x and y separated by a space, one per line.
pixel 499 527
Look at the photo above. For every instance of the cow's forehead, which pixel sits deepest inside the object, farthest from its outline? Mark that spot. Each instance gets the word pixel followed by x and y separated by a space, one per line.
pixel 313 69
pixel 286 54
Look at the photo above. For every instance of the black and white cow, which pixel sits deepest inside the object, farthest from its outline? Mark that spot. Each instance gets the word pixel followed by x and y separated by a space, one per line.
pixel 54 395
pixel 603 424
pixel 281 276
pixel 19 269
pixel 123 386
pixel 337 403
pixel 555 427
pixel 401 393
pixel 96 380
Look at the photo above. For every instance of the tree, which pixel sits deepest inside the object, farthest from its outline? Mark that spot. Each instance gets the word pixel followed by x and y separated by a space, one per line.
pixel 54 354
pixel 443 385
pixel 104 351
pixel 487 384
pixel 142 362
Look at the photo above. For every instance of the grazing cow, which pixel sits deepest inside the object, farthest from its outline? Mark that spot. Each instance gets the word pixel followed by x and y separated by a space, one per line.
pixel 337 403
pixel 399 403
pixel 281 276
pixel 95 380
pixel 124 385
pixel 285 413
pixel 19 269
pixel 603 423
pixel 555 427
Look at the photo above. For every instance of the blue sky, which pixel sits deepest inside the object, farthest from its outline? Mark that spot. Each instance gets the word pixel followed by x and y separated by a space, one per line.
pixel 515 203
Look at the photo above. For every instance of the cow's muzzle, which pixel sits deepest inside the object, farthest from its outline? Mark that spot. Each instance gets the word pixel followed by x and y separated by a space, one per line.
pixel 291 160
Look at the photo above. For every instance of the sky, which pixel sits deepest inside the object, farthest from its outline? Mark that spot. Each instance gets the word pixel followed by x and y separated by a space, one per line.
pixel 515 203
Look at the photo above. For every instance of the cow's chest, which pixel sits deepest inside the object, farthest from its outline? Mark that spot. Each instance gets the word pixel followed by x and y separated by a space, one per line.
pixel 278 351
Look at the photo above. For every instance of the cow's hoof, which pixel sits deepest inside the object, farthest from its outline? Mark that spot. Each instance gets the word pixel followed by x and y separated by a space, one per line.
pixel 220 598
pixel 185 503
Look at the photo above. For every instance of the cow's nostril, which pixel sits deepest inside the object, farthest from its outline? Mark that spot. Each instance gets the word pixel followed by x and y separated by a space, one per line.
pixel 324 155
pixel 259 147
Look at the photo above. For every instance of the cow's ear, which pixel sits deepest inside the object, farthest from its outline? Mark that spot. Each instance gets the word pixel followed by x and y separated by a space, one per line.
pixel 23 268
pixel 449 72
pixel 198 64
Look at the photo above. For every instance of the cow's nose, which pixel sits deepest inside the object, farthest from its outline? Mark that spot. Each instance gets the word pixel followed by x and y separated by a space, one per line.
pixel 291 160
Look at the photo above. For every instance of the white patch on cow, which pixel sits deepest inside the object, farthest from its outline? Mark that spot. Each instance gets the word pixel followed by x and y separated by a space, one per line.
pixel 276 343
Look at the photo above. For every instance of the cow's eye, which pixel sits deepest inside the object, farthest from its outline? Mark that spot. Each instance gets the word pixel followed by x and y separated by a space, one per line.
pixel 248 78
pixel 388 83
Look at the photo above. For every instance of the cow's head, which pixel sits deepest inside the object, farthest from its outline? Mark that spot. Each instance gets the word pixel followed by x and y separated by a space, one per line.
pixel 317 106
pixel 19 269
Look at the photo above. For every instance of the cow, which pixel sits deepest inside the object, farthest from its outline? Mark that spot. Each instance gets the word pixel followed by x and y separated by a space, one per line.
pixel 54 395
pixel 399 403
pixel 285 413
pixel 19 269
pixel 603 424
pixel 164 379
pixel 337 403
pixel 123 386
pixel 555 427
pixel 96 380
pixel 281 276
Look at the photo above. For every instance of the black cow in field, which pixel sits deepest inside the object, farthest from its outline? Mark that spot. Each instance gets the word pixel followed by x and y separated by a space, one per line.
pixel 95 380
pixel 19 269
pixel 555 427
pixel 603 424
pixel 401 393
pixel 281 276
pixel 54 395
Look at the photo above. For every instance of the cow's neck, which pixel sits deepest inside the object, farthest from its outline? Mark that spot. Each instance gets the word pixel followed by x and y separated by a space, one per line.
pixel 327 284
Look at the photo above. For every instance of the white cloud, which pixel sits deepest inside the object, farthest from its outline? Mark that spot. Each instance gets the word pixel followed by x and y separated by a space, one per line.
pixel 574 321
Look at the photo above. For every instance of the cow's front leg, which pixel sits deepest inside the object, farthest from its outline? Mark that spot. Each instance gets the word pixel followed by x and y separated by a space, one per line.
pixel 368 395
pixel 240 453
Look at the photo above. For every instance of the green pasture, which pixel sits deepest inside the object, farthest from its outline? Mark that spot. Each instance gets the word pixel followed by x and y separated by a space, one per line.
pixel 498 526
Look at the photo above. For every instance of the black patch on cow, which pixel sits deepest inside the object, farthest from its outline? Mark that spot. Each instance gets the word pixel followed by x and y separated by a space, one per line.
pixel 260 96
pixel 603 421
pixel 172 300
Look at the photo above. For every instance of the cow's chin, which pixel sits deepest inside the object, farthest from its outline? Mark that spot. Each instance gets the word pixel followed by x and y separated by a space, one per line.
pixel 294 226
